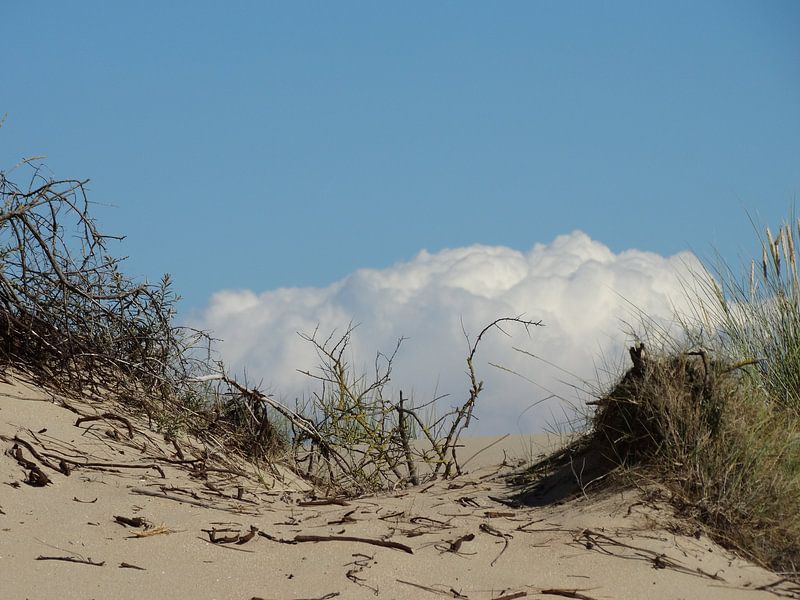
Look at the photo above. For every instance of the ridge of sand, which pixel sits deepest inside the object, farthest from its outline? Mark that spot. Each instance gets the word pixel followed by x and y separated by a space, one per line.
pixel 463 542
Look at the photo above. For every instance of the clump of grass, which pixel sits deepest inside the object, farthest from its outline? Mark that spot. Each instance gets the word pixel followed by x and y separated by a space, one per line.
pixel 712 413
pixel 716 415
pixel 708 430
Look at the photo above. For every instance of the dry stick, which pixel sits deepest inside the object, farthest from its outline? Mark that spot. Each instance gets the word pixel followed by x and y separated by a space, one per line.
pixel 455 545
pixel 486 528
pixel 131 522
pixel 362 562
pixel 238 538
pixel 145 492
pixel 124 565
pixel 72 559
pixel 323 502
pixel 79 463
pixel 347 538
pixel 513 596
pixel 566 593
pixel 401 423
pixel 274 538
pixel 76 499
pixel 346 518
pixel 425 587
pixel 660 561
pixel 107 416
pixel 33 451
pixel 36 476
pixel 431 522
pixel 182 461
pixel 463 415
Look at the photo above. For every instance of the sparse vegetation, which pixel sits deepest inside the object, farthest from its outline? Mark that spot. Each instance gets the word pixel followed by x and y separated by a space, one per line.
pixel 352 437
pixel 714 416
pixel 75 322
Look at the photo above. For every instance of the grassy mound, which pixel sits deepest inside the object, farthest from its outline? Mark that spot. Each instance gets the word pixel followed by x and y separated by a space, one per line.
pixel 714 415
pixel 730 455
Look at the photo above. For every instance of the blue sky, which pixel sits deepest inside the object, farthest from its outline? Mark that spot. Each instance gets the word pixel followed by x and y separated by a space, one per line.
pixel 260 145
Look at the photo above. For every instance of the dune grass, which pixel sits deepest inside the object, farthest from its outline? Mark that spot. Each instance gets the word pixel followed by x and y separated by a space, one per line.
pixel 714 412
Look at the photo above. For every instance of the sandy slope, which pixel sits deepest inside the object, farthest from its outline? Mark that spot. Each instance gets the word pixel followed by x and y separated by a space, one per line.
pixel 514 552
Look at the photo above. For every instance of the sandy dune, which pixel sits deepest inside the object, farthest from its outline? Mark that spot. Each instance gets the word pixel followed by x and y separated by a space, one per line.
pixel 451 539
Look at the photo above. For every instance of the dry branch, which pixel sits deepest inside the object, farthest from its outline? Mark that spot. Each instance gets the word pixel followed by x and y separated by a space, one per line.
pixel 107 416
pixel 72 559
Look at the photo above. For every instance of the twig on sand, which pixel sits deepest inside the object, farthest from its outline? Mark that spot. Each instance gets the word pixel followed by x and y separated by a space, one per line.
pixel 107 416
pixel 146 492
pixel 450 594
pixel 238 538
pixel 323 502
pixel 348 538
pixel 777 586
pixel 362 562
pixel 327 596
pixel 72 559
pixel 455 545
pixel 36 476
pixel 33 451
pixel 486 528
pixel 513 596
pixel 566 593
pixel 337 538
pixel 105 465
pixel 124 565
pixel 132 521
pixel 599 541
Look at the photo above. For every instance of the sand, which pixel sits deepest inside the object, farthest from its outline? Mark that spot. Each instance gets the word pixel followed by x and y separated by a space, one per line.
pixel 452 539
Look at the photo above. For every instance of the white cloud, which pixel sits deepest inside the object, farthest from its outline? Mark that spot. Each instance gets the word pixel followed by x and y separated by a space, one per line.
pixel 579 288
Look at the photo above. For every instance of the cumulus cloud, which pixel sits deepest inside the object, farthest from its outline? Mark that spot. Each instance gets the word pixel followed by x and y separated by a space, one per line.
pixel 582 291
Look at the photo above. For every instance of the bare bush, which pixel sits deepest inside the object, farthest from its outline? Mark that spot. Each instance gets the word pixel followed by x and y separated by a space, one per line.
pixel 353 436
pixel 72 319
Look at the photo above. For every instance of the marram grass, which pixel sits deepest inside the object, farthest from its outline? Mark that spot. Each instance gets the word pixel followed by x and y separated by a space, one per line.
pixel 713 412
pixel 724 410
